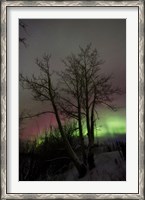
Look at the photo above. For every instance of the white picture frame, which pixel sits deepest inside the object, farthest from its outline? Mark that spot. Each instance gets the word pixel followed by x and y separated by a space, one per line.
pixel 11 188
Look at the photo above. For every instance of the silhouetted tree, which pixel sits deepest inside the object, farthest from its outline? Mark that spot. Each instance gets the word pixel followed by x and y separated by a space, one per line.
pixel 43 90
pixel 71 101
pixel 85 89
pixel 23 39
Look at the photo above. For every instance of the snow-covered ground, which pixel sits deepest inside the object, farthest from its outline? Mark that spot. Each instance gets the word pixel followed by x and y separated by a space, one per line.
pixel 110 166
pixel 110 162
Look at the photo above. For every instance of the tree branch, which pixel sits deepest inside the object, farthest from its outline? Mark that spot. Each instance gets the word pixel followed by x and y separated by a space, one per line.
pixel 36 115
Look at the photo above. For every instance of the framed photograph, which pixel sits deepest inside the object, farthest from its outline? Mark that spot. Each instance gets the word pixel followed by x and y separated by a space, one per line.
pixel 72 100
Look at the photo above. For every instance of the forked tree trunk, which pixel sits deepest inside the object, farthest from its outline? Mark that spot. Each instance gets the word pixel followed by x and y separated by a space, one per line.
pixel 90 157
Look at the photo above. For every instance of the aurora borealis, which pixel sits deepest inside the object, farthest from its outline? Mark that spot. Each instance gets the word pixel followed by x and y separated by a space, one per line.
pixel 60 37
pixel 109 124
pixel 72 99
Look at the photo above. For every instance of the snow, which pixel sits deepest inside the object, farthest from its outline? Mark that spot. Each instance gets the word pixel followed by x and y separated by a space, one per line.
pixel 110 166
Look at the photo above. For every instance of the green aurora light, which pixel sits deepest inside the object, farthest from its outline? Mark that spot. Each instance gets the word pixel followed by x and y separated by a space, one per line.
pixel 110 124
pixel 109 127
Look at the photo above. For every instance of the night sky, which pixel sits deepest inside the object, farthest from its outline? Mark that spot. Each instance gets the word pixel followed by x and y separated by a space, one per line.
pixel 60 38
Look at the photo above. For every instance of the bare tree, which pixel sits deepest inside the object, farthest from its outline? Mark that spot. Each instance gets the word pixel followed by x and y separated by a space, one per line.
pixel 22 39
pixel 71 101
pixel 21 120
pixel 43 90
pixel 85 89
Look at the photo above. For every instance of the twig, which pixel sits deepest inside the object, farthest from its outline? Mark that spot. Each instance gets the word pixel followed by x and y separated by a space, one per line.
pixel 36 115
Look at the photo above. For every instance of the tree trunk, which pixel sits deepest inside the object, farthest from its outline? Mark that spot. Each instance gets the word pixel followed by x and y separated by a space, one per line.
pixel 82 142
pixel 81 132
pixel 90 146
pixel 91 161
pixel 90 158
pixel 80 166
